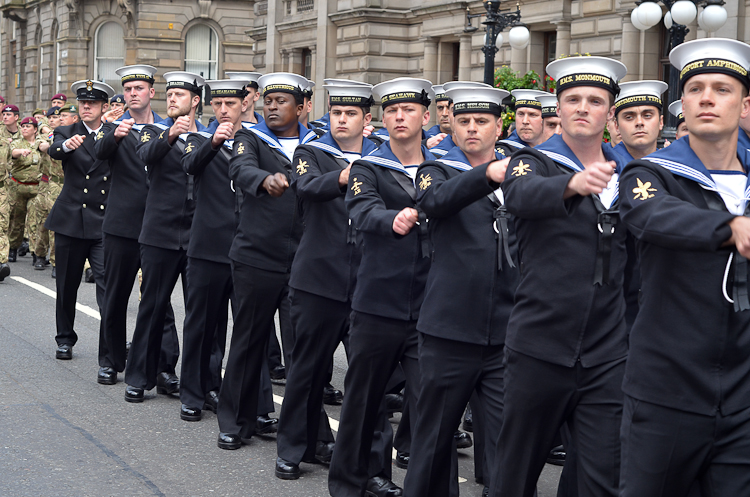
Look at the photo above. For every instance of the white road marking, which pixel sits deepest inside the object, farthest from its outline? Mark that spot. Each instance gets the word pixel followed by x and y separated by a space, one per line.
pixel 51 293
pixel 278 399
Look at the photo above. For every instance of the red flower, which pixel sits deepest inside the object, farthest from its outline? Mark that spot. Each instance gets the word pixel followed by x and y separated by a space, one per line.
pixel 533 81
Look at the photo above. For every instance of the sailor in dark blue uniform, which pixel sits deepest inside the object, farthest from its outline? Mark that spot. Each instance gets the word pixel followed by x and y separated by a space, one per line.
pixel 638 118
pixel 443 113
pixel 381 200
pixel 263 247
pixel 550 119
pixel 686 416
pixel 469 293
pixel 675 108
pixel 249 116
pixel 323 274
pixel 529 125
pixel 566 341
pixel 165 234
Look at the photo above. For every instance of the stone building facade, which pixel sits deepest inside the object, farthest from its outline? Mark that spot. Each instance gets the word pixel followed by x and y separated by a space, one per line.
pixel 45 45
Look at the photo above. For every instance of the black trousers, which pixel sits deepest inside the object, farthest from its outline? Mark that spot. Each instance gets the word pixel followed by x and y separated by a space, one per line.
pixel 258 294
pixel 207 300
pixel 161 268
pixel 122 259
pixel 666 451
pixel 287 338
pixel 451 370
pixel 320 324
pixel 71 254
pixel 376 345
pixel 539 398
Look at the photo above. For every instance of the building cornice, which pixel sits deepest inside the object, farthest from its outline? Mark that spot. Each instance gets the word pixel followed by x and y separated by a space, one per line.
pixel 356 16
pixel 285 27
pixel 258 33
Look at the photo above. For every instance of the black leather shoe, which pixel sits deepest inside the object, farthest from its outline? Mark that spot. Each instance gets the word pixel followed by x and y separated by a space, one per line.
pixel 486 492
pixel 167 383
pixel 12 255
pixel 265 425
pixel 286 470
pixel 54 272
pixel 323 453
pixel 133 394
pixel 468 424
pixel 402 459
pixel 188 413
pixel 229 441
pixel 557 456
pixel 39 264
pixel 64 352
pixel 33 259
pixel 332 396
pixel 394 402
pixel 380 486
pixel 463 440
pixel 278 375
pixel 4 271
pixel 106 376
pixel 89 276
pixel 23 249
pixel 212 401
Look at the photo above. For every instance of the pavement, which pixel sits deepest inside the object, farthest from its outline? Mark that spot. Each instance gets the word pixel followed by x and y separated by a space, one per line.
pixel 63 434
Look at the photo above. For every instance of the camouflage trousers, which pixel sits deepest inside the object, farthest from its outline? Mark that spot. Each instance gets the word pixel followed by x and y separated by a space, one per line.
pixel 20 201
pixel 4 222
pixel 41 240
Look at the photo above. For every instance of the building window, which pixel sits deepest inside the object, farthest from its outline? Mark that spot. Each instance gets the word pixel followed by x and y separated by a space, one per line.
pixel 202 51
pixel 305 5
pixel 307 63
pixel 109 53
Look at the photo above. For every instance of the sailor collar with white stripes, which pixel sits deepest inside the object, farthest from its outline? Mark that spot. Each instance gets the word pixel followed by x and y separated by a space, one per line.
pixel 167 123
pixel 621 149
pixel 383 156
pixel 208 133
pixel 515 141
pixel 137 127
pixel 445 146
pixel 680 160
pixel 262 131
pixel 327 144
pixel 458 160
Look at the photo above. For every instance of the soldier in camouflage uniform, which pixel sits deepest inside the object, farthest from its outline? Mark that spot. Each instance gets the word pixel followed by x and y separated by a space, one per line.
pixel 25 162
pixel 4 211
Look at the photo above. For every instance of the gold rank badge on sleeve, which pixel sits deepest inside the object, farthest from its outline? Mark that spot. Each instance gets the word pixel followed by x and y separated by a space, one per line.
pixel 424 181
pixel 356 186
pixel 642 191
pixel 240 149
pixel 145 137
pixel 521 169
pixel 189 148
pixel 302 167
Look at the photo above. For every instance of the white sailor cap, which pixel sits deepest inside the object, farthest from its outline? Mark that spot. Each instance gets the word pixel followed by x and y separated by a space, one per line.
pixel 358 95
pixel 527 98
pixel 228 87
pixel 549 104
pixel 343 82
pixel 285 82
pixel 440 93
pixel 401 90
pixel 138 72
pixel 634 93
pixel 468 99
pixel 252 77
pixel 601 72
pixel 186 80
pixel 707 55
pixel 308 90
pixel 675 108
pixel 88 89
pixel 464 84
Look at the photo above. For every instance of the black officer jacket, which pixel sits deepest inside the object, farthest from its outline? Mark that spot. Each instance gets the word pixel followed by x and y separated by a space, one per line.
pixel 392 273
pixel 560 315
pixel 469 295
pixel 170 202
pixel 328 257
pixel 79 210
pixel 127 195
pixel 269 228
pixel 689 349
pixel 214 220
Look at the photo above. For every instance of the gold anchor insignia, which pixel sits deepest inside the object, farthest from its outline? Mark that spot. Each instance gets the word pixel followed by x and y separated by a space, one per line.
pixel 100 135
pixel 642 190
pixel 500 151
pixel 145 137
pixel 189 148
pixel 356 186
pixel 240 148
pixel 302 167
pixel 424 181
pixel 161 135
pixel 521 169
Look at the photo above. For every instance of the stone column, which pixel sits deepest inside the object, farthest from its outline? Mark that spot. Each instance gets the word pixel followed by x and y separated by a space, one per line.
pixel 272 37
pixel 464 58
pixel 562 38
pixel 631 41
pixel 431 60
pixel 518 60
